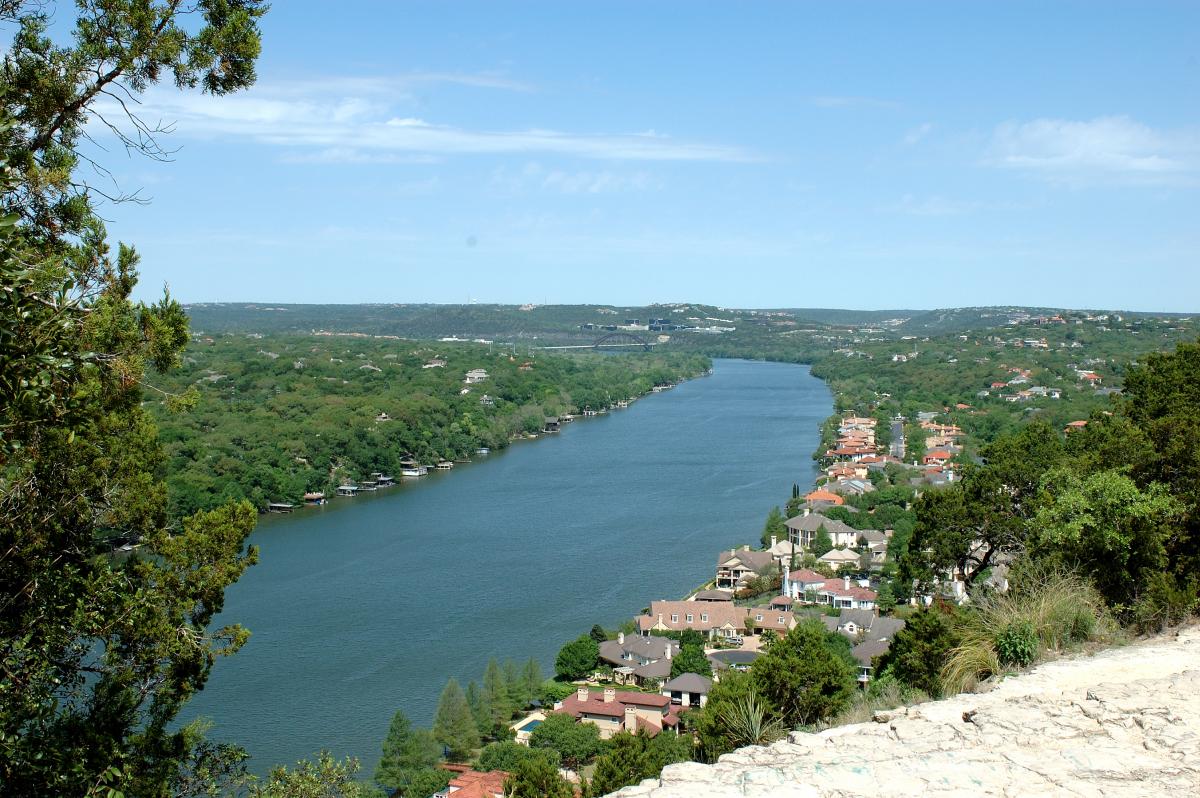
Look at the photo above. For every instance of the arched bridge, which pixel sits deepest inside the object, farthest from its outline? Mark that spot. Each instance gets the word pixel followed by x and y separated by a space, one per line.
pixel 621 339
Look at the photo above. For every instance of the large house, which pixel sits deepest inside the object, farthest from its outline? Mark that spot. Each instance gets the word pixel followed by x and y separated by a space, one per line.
pixel 614 711
pixel 637 659
pixel 843 594
pixel 475 375
pixel 802 530
pixel 736 567
pixel 715 619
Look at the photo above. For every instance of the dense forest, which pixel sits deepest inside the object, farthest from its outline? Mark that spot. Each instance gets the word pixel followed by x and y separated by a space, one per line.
pixel 268 418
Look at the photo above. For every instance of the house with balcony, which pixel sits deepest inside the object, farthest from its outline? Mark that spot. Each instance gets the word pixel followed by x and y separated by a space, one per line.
pixel 614 711
pixel 737 566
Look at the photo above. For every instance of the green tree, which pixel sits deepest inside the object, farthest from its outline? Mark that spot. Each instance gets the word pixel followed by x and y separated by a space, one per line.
pixel 576 743
pixel 325 778
pixel 919 650
pixel 99 655
pixel 507 754
pixel 537 778
pixel 774 528
pixel 691 659
pixel 481 710
pixel 531 675
pixel 518 696
pixel 598 634
pixel 1106 526
pixel 407 752
pixel 633 757
pixel 803 676
pixel 495 694
pixel 822 543
pixel 713 735
pixel 577 659
pixel 453 725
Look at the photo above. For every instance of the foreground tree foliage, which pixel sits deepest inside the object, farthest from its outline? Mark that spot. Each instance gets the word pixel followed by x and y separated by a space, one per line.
pixel 410 758
pixel 99 653
pixel 630 758
pixel 806 675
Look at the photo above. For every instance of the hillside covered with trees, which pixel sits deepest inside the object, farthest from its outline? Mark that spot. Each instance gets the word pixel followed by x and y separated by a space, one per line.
pixel 267 419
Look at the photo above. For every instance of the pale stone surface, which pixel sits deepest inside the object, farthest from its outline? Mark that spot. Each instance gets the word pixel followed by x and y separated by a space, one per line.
pixel 1125 722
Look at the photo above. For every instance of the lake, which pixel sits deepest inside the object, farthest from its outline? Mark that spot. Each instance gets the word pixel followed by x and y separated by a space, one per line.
pixel 368 605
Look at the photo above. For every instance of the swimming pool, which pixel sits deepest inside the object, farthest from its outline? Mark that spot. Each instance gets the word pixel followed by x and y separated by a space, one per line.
pixel 529 726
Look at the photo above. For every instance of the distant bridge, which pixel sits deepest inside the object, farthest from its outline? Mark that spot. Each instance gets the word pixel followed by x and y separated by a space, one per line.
pixel 616 340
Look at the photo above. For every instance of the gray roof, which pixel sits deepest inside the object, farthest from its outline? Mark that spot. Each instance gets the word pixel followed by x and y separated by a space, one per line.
pixel 648 648
pixel 659 669
pixel 689 683
pixel 758 561
pixel 723 659
pixel 714 595
pixel 865 652
pixel 872 536
pixel 813 521
pixel 883 628
pixel 860 618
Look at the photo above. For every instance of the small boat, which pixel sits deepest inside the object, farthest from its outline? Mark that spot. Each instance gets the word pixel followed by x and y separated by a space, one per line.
pixel 347 490
pixel 413 471
pixel 314 498
pixel 444 465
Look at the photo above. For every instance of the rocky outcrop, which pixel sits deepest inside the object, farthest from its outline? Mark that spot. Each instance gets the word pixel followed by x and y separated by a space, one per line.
pixel 1125 721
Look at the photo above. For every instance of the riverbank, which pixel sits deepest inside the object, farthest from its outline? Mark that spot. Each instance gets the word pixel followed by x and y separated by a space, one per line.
pixel 379 600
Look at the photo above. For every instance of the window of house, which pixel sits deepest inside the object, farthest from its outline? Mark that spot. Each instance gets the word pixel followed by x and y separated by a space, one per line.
pixel 674 618
pixel 689 617
pixel 758 617
pixel 704 617
pixel 781 620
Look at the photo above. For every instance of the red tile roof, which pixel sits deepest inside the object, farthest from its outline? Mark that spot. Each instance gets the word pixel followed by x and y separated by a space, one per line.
pixel 473 784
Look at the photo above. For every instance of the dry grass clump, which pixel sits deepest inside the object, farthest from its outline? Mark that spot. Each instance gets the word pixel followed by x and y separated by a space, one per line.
pixel 1059 608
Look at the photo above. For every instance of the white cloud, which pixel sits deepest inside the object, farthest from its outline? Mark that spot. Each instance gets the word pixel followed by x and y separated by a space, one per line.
pixel 1102 149
pixel 532 176
pixel 358 119
pixel 917 133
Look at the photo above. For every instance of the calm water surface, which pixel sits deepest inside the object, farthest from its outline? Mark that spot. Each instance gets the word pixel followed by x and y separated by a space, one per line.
pixel 369 604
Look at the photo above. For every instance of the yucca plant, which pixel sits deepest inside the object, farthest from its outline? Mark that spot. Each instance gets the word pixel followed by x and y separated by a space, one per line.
pixel 746 722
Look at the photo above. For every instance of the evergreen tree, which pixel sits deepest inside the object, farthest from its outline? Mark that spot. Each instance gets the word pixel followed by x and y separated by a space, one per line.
pixel 598 634
pixel 481 710
pixel 537 777
pixel 822 542
pixel 577 659
pixel 774 528
pixel 495 692
pixel 453 725
pixel 406 753
pixel 532 676
pixel 518 696
pixel 100 654
pixel 691 659
pixel 804 676
pixel 633 757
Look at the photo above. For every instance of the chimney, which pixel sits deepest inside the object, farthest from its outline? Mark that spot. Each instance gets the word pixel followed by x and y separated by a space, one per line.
pixel 668 649
pixel 773 541
pixel 846 582
pixel 610 695
pixel 745 547
pixel 582 694
pixel 621 638
pixel 631 720
pixel 807 510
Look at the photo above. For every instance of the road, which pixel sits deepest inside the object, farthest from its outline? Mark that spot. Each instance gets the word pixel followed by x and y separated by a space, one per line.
pixel 898 440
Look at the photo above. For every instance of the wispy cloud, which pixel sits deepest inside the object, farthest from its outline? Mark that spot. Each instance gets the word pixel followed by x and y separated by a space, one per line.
pixel 364 120
pixel 842 101
pixel 1109 148
pixel 534 177
pixel 918 133
pixel 935 205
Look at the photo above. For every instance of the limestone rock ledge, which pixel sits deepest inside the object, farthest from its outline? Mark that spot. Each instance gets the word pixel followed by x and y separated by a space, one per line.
pixel 1125 722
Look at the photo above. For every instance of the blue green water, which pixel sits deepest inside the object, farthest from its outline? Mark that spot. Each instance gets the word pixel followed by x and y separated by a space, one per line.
pixel 369 604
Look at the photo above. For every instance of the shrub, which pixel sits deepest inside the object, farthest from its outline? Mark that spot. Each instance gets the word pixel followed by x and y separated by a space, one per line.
pixel 1017 644
pixel 1165 603
pixel 1060 609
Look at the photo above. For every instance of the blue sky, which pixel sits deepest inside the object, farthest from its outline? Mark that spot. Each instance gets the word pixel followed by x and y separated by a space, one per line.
pixel 868 155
